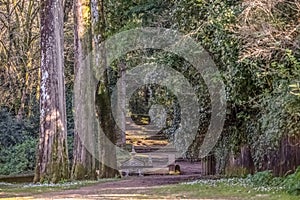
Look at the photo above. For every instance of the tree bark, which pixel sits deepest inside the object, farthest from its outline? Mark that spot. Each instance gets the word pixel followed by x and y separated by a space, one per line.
pixel 108 158
pixel 89 20
pixel 122 105
pixel 84 164
pixel 108 162
pixel 52 158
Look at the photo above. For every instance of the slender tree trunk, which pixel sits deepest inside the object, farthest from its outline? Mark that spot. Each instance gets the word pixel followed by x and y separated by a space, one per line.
pixel 122 105
pixel 52 158
pixel 84 165
pixel 108 167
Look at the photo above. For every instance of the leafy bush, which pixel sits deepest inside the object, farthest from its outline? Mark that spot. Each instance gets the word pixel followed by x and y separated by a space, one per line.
pixel 11 131
pixel 18 140
pixel 19 158
pixel 262 178
pixel 272 60
pixel 14 131
pixel 292 182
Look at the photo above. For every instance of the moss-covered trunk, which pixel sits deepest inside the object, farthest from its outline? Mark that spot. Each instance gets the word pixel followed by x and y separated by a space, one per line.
pixel 108 136
pixel 84 164
pixel 52 158
pixel 108 140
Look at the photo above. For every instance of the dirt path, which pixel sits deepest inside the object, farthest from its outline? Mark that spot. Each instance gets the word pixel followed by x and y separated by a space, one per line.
pixel 133 187
pixel 126 188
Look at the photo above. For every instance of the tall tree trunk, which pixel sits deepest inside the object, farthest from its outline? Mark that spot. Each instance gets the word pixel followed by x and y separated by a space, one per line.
pixel 84 165
pixel 89 20
pixel 108 161
pixel 52 158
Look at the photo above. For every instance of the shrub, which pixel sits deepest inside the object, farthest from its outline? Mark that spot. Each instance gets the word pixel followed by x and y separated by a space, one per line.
pixel 292 182
pixel 262 178
pixel 19 158
pixel 17 143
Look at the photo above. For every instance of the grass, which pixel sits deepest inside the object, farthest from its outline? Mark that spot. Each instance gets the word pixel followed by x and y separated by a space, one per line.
pixel 235 188
pixel 222 189
pixel 15 190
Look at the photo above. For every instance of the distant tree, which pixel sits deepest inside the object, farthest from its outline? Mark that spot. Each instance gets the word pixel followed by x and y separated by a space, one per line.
pixel 19 55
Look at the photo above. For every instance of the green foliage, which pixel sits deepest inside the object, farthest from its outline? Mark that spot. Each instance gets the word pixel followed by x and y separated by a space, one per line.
pixel 208 22
pixel 11 130
pixel 264 178
pixel 19 158
pixel 17 144
pixel 292 182
pixel 262 91
pixel 14 131
pixel 278 107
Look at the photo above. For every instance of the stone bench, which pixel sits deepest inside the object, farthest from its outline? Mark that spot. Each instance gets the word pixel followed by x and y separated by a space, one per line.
pixel 138 166
pixel 134 166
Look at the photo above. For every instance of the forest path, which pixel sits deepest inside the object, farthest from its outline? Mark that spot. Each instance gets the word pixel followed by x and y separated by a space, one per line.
pixel 126 188
pixel 132 187
pixel 144 135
